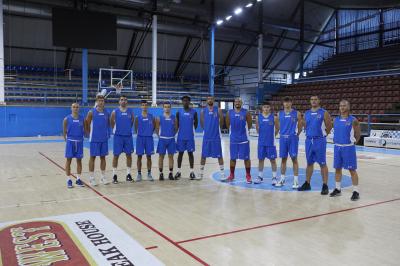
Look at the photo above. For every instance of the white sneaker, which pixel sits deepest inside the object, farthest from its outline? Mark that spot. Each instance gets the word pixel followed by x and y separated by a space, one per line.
pixel 150 177
pixel 258 180
pixel 104 180
pixel 274 181
pixel 92 181
pixel 199 176
pixel 295 184
pixel 139 178
pixel 281 183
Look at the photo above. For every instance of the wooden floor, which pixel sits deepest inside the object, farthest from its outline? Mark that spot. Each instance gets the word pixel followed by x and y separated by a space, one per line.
pixel 206 222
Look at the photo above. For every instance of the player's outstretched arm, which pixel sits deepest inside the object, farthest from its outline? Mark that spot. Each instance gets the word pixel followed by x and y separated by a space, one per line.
pixel 357 129
pixel 277 125
pixel 65 128
pixel 88 121
pixel 221 118
pixel 195 120
pixel 328 122
pixel 202 119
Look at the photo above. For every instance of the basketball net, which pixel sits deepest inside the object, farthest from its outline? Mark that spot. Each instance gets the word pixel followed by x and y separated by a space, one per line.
pixel 118 88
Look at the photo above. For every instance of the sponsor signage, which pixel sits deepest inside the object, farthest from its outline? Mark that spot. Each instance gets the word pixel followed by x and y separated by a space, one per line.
pixel 76 239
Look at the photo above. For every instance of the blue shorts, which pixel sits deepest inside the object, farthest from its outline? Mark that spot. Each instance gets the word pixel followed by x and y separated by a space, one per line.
pixel 240 151
pixel 345 157
pixel 185 145
pixel 166 145
pixel 74 149
pixel 268 152
pixel 316 151
pixel 144 145
pixel 211 148
pixel 288 146
pixel 122 144
pixel 98 148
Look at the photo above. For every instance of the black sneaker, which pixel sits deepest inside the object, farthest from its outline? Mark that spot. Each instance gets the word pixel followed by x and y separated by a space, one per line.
pixel 325 189
pixel 115 179
pixel 171 176
pixel 129 178
pixel 192 176
pixel 355 196
pixel 161 177
pixel 335 193
pixel 177 176
pixel 305 187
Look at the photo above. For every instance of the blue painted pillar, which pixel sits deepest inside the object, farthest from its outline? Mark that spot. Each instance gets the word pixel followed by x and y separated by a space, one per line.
pixel 212 66
pixel 85 76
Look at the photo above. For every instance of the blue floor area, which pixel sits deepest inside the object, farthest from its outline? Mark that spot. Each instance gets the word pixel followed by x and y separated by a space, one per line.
pixel 316 180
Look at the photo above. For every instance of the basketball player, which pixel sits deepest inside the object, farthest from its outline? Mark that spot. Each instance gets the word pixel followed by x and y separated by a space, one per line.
pixel 317 125
pixel 267 127
pixel 122 120
pixel 290 127
pixel 347 132
pixel 144 127
pixel 187 122
pixel 166 130
pixel 238 120
pixel 211 120
pixel 73 132
pixel 98 124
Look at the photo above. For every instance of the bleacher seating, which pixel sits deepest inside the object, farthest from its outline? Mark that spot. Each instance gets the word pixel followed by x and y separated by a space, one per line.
pixel 38 85
pixel 359 61
pixel 372 95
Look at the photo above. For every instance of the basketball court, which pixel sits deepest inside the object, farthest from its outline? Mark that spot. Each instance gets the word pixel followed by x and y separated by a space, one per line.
pixel 208 222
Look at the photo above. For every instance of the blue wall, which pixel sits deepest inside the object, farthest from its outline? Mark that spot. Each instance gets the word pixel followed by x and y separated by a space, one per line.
pixel 23 121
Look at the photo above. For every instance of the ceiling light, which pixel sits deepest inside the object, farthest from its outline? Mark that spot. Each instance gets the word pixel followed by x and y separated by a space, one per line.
pixel 228 18
pixel 220 21
pixel 249 5
pixel 238 11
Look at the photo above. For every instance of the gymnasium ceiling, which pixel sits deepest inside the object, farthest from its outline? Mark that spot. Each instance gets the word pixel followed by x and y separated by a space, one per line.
pixel 182 23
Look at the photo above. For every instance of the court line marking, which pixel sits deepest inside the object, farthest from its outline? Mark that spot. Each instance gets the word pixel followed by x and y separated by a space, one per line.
pixel 98 197
pixel 152 247
pixel 285 221
pixel 134 216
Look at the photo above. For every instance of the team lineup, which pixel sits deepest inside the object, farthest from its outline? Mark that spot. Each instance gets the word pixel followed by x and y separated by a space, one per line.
pixel 287 124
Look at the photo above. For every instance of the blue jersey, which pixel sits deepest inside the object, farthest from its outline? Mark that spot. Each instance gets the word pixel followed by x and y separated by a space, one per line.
pixel 288 123
pixel 266 130
pixel 315 125
pixel 167 127
pixel 211 124
pixel 186 124
pixel 75 128
pixel 238 127
pixel 99 128
pixel 343 130
pixel 123 122
pixel 145 125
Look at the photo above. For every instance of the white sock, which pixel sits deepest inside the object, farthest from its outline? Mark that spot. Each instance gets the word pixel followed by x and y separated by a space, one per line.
pixel 274 174
pixel 114 171
pixel 191 170
pixel 201 170
pixel 338 185
pixel 296 179
pixel 221 169
pixel 128 170
pixel 103 174
pixel 355 188
pixel 282 176
pixel 91 175
pixel 179 170
pixel 260 173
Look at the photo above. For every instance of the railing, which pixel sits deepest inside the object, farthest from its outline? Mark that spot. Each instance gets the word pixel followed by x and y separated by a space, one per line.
pixel 252 79
pixel 393 122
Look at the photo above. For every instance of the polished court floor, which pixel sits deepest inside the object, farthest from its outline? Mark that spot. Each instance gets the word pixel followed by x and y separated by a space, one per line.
pixel 211 223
